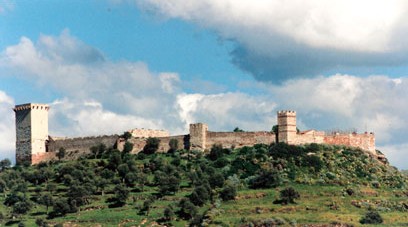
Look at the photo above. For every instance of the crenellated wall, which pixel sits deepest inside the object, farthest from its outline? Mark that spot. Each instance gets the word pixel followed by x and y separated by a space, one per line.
pixel 365 141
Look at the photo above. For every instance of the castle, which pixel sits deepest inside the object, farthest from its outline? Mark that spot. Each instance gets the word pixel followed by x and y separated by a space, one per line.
pixel 34 144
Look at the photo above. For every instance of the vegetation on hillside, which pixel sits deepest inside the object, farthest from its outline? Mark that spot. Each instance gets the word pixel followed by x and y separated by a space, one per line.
pixel 259 186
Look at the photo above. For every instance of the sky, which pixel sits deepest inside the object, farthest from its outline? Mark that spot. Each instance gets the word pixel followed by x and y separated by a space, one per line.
pixel 106 66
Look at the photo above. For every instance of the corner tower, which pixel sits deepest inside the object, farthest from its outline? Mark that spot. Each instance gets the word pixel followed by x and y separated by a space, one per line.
pixel 31 131
pixel 287 126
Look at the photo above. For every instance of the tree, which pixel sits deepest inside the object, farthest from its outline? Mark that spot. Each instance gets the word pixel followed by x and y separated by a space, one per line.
pixel 61 153
pixel 216 180
pixel 121 194
pixel 127 135
pixel 288 195
pixel 200 195
pixel 128 147
pixel 5 163
pixel 275 130
pixel 228 192
pixel 168 184
pixel 266 179
pixel 216 152
pixel 22 207
pixel 238 130
pixel 173 144
pixel 147 204
pixel 61 207
pixel 46 200
pixel 372 217
pixel 187 209
pixel 152 145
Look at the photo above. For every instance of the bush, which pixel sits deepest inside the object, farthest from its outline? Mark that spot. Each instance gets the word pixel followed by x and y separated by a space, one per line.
pixel 228 192
pixel 314 162
pixel 288 195
pixel 152 145
pixel 372 217
pixel 200 195
pixel 173 144
pixel 266 179
pixel 187 209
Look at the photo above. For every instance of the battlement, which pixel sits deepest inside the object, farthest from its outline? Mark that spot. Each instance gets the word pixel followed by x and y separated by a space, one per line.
pixel 286 113
pixel 31 106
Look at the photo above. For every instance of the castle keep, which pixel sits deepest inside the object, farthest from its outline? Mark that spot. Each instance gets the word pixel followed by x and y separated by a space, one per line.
pixel 35 145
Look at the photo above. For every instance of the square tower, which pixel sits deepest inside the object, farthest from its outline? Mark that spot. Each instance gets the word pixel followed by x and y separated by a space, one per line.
pixel 31 131
pixel 287 126
pixel 198 136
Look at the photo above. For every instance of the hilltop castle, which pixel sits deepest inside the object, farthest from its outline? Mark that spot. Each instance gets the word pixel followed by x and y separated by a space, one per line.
pixel 34 144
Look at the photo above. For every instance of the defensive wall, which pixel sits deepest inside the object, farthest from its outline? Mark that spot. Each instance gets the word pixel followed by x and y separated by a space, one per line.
pixel 34 145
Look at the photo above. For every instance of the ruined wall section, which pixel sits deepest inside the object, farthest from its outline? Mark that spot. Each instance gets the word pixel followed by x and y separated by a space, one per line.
pixel 140 142
pixel 310 136
pixel 364 141
pixel 145 133
pixel 80 146
pixel 238 139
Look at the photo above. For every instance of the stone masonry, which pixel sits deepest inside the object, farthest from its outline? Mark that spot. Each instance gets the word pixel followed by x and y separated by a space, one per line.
pixel 31 132
pixel 34 145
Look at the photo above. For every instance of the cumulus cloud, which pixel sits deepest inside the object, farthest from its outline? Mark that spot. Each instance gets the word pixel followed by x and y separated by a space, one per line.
pixel 99 96
pixel 7 129
pixel 374 103
pixel 278 40
pixel 225 111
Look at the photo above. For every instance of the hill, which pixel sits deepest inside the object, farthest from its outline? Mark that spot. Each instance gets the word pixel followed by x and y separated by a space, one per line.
pixel 263 185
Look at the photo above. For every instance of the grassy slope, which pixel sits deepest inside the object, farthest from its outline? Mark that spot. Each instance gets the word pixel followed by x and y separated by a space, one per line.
pixel 322 200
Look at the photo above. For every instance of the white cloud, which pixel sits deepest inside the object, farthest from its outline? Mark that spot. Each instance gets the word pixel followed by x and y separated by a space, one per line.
pixel 280 39
pixel 7 129
pixel 225 111
pixel 396 154
pixel 103 97
pixel 76 118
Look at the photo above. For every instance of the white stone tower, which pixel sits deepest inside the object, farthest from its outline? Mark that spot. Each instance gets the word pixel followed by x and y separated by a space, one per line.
pixel 287 126
pixel 31 132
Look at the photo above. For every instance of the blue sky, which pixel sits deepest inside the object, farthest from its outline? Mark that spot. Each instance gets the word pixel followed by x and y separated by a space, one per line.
pixel 107 66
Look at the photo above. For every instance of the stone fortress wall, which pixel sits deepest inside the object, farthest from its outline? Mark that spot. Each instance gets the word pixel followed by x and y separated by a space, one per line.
pixel 199 138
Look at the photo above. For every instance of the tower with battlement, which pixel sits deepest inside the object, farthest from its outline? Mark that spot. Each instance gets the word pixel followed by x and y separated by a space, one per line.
pixel 287 126
pixel 198 136
pixel 31 131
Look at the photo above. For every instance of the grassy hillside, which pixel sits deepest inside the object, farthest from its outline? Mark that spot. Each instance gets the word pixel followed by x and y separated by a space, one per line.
pixel 252 186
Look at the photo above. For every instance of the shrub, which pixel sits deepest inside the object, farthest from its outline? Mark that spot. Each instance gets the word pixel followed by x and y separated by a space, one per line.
pixel 200 195
pixel 152 145
pixel 216 152
pixel 372 217
pixel 314 162
pixel 288 195
pixel 173 144
pixel 266 179
pixel 187 209
pixel 228 192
